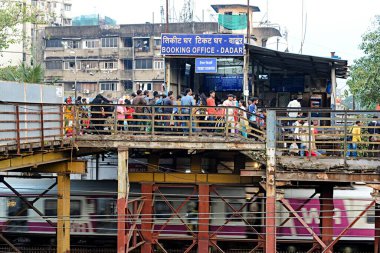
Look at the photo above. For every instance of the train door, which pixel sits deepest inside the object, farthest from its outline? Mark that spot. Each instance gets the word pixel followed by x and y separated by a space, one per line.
pixel 106 214
pixel 17 213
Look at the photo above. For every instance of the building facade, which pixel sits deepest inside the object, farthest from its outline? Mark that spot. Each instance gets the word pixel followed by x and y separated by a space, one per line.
pixel 110 60
pixel 29 51
pixel 55 12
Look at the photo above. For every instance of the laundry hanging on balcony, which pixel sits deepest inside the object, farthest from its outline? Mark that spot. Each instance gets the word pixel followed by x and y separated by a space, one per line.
pixel 233 22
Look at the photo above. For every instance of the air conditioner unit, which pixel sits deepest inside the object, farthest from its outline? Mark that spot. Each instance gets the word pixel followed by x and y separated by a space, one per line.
pixel 86 91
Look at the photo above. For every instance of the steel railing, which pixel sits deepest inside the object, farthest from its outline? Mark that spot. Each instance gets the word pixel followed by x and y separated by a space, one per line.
pixel 326 133
pixel 30 125
pixel 226 122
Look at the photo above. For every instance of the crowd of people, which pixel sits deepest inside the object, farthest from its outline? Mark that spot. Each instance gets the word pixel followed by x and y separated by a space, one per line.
pixel 171 113
pixel 200 113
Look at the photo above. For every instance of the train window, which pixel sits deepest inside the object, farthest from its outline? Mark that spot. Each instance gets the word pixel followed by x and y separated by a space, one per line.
pixel 230 212
pixel 51 207
pixel 105 209
pixel 162 210
pixel 17 208
pixel 371 215
pixel 75 208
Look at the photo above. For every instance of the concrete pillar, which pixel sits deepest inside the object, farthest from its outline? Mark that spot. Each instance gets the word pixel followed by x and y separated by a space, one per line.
pixel 63 214
pixel 270 206
pixel 327 214
pixel 204 218
pixel 147 216
pixel 122 199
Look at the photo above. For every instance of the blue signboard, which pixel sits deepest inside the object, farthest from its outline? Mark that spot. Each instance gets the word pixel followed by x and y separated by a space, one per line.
pixel 202 44
pixel 206 65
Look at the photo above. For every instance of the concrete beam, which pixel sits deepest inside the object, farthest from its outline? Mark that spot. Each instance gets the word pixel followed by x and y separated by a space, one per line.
pixel 297 163
pixel 70 167
pixel 33 160
pixel 305 176
pixel 190 178
pixel 167 142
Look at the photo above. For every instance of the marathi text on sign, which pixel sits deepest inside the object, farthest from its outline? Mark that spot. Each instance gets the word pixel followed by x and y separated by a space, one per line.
pixel 202 44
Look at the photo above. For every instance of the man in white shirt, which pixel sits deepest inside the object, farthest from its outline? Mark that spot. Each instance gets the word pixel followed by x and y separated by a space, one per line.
pixel 230 112
pixel 295 103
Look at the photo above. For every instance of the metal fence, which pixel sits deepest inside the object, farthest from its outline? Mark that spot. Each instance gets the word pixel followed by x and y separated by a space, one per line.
pixel 30 125
pixel 170 121
pixel 324 134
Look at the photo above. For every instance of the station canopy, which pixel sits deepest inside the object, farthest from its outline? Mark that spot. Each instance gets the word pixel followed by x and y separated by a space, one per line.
pixel 276 60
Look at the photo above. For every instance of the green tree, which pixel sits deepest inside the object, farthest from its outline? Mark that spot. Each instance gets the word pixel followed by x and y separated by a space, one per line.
pixel 14 13
pixel 364 80
pixel 22 73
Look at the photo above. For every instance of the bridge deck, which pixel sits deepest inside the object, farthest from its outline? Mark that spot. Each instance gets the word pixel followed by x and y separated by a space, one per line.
pixel 320 136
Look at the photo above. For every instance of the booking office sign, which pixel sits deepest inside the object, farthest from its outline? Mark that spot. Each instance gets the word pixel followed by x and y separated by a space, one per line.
pixel 202 44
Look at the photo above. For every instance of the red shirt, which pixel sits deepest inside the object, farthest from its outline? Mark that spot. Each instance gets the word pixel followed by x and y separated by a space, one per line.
pixel 129 112
pixel 211 102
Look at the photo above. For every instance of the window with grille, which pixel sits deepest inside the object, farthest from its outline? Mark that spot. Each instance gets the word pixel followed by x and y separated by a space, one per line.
pixel 109 65
pixel 73 44
pixel 143 64
pixel 85 65
pixel 54 43
pixel 110 42
pixel 70 65
pixel 53 65
pixel 67 7
pixel 158 64
pixel 91 43
pixel 108 86
pixel 142 44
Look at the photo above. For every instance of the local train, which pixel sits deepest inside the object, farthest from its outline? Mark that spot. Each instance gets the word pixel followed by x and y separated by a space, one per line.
pixel 94 212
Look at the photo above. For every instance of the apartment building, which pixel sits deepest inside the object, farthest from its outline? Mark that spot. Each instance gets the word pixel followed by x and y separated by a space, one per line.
pixel 113 60
pixel 55 13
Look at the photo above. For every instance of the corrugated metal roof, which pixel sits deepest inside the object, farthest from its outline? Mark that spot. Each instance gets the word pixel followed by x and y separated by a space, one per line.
pixel 321 66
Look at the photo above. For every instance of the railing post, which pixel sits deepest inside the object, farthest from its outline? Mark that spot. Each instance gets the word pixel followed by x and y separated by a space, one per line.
pixel 61 123
pixel 191 122
pixel 310 133
pixel 42 126
pixel 345 139
pixel 152 121
pixel 18 141
pixel 270 207
pixel 226 122
pixel 115 122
